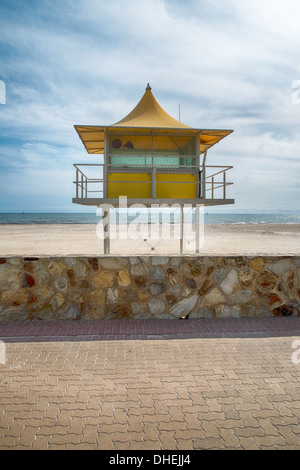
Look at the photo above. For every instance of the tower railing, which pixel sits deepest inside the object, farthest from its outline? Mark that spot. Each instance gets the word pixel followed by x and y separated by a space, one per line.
pixel 212 182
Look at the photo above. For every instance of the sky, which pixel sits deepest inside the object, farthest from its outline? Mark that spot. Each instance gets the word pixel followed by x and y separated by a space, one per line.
pixel 229 64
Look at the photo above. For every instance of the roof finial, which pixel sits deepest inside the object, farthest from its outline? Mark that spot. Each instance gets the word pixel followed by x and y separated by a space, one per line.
pixel 148 87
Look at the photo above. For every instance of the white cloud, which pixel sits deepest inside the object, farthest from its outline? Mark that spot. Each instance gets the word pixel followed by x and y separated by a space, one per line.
pixel 230 64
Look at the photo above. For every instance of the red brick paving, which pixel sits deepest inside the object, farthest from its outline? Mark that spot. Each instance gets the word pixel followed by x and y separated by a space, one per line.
pixel 119 385
pixel 97 330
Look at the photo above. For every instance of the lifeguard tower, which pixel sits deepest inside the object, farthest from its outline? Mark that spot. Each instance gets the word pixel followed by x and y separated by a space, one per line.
pixel 150 158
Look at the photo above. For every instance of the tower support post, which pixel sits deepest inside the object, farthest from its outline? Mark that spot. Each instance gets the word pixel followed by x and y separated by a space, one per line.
pixel 106 230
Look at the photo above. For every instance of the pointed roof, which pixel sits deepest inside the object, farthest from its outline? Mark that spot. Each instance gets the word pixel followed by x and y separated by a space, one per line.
pixel 149 113
pixel 147 116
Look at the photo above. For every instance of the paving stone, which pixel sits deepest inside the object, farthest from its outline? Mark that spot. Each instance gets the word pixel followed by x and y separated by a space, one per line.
pixel 269 441
pixel 210 429
pixel 167 440
pixel 214 393
pixel 209 444
pixel 290 437
pixel 40 443
pixel 248 443
pixel 229 438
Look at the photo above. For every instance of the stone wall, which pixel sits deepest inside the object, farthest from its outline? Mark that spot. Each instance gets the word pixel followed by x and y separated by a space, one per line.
pixel 148 287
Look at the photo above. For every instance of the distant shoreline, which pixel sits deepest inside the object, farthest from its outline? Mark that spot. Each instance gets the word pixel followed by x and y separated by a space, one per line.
pixel 147 218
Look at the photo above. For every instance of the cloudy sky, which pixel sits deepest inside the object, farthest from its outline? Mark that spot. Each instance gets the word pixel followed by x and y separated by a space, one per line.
pixel 230 64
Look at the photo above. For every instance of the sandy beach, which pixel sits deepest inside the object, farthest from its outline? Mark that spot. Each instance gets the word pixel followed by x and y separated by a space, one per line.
pixel 82 240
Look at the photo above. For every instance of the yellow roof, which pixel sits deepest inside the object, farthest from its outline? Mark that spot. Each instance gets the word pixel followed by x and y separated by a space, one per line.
pixel 148 115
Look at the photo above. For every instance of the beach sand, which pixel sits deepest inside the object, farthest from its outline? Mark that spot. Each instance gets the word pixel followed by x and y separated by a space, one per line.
pixel 82 240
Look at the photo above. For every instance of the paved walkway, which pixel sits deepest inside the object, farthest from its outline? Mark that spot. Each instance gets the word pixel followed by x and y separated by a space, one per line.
pixel 99 330
pixel 219 384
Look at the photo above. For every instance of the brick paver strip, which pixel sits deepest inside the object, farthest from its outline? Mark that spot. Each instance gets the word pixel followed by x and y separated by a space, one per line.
pixel 214 391
pixel 96 330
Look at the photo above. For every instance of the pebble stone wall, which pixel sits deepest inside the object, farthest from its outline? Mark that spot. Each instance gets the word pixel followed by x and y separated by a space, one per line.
pixel 148 287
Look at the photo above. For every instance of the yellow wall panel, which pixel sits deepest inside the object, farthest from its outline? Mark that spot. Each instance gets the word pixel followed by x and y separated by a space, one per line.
pixel 133 189
pixel 134 186
pixel 176 189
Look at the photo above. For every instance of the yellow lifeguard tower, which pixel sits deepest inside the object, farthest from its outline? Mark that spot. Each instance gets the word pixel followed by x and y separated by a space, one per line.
pixel 150 158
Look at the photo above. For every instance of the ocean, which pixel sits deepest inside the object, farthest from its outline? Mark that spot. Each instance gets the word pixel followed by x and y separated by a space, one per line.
pixel 143 217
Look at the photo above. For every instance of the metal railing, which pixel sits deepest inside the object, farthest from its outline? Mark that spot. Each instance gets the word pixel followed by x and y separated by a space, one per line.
pixel 209 179
pixel 82 181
